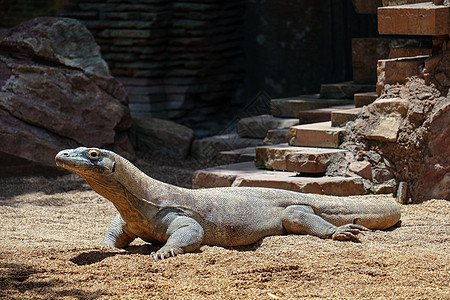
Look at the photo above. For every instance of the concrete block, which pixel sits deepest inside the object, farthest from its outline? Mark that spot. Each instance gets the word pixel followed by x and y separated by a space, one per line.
pixel 414 19
pixel 315 135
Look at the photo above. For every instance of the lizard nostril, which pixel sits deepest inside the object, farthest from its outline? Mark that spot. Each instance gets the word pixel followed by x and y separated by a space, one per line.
pixel 65 154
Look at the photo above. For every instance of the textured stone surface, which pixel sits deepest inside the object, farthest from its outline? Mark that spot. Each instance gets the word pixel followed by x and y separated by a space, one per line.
pixel 315 135
pixel 312 160
pixel 56 92
pixel 209 147
pixel 341 117
pixel 414 19
pixel 290 107
pixel 257 126
pixel 163 137
pixel 246 174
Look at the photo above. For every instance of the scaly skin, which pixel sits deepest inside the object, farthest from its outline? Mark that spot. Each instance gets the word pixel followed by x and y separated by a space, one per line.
pixel 183 219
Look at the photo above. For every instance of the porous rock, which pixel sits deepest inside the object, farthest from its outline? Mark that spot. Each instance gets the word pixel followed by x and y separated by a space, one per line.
pixel 56 93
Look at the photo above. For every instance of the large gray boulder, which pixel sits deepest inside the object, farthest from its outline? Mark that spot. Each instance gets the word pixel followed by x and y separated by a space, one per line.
pixel 56 92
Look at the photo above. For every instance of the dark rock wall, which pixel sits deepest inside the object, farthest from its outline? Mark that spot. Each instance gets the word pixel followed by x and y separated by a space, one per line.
pixel 196 62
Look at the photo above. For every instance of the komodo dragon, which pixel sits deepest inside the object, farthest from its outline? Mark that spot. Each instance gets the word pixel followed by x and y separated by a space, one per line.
pixel 184 219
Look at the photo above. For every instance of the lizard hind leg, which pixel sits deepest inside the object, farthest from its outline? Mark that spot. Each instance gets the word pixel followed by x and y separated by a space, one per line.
pixel 115 236
pixel 301 219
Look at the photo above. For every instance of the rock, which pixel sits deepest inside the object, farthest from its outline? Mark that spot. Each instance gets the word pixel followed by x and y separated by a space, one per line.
pixel 402 193
pixel 257 126
pixel 384 130
pixel 56 92
pixel 362 168
pixel 236 156
pixel 387 187
pixel 163 137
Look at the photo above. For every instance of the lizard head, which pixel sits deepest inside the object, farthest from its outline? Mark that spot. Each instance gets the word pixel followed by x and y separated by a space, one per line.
pixel 87 161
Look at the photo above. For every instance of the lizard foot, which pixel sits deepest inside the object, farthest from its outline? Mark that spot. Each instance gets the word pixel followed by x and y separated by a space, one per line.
pixel 167 251
pixel 348 232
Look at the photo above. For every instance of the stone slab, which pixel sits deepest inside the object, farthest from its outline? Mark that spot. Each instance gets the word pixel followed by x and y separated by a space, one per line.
pixel 257 126
pixel 344 90
pixel 385 129
pixel 277 136
pixel 273 157
pixel 236 156
pixel 315 135
pixel 290 107
pixel 320 114
pixel 362 99
pixel 312 160
pixel 414 19
pixel 246 174
pixel 209 147
pixel 409 52
pixel 340 118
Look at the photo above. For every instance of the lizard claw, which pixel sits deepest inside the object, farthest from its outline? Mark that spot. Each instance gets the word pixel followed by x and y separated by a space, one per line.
pixel 167 251
pixel 349 232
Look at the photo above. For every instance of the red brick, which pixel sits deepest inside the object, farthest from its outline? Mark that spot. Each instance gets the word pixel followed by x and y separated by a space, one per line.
pixel 414 19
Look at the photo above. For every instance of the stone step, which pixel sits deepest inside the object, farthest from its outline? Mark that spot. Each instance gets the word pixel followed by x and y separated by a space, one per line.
pixel 414 19
pixel 257 126
pixel 344 90
pixel 236 156
pixel 290 107
pixel 321 135
pixel 339 118
pixel 362 99
pixel 283 157
pixel 320 114
pixel 246 174
pixel 209 147
pixel 277 136
pixel 366 6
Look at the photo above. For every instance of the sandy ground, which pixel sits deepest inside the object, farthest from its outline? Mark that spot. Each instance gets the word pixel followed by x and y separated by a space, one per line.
pixel 50 229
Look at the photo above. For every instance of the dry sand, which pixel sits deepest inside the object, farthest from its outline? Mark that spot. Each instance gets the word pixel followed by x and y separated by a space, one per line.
pixel 50 229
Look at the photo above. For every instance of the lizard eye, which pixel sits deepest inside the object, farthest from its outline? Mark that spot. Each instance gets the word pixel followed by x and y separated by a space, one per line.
pixel 93 154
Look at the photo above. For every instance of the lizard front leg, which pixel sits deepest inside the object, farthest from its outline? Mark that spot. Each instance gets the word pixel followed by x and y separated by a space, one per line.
pixel 115 236
pixel 185 235
pixel 301 219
